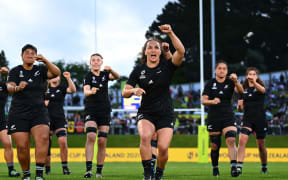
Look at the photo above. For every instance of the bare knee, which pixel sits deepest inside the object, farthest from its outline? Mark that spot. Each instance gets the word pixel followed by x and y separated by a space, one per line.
pixel 91 137
pixel 145 139
pixel 242 142
pixel 62 142
pixel 230 141
pixel 7 144
pixel 162 149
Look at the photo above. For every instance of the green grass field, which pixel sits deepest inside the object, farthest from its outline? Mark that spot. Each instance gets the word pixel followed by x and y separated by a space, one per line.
pixel 174 171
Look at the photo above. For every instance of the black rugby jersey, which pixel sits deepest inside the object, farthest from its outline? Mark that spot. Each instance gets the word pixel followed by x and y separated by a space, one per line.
pixel 56 97
pixel 224 91
pixel 252 98
pixel 155 82
pixel 100 101
pixel 34 92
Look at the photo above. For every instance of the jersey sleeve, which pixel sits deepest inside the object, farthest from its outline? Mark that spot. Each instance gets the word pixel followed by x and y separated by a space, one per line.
pixel 64 89
pixel 44 71
pixel 106 74
pixel 87 80
pixel 133 78
pixel 13 76
pixel 207 89
pixel 171 66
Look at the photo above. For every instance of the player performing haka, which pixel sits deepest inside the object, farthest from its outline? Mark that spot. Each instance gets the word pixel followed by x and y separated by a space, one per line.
pixel 54 100
pixel 156 113
pixel 4 137
pixel 97 111
pixel 28 114
pixel 254 116
pixel 217 95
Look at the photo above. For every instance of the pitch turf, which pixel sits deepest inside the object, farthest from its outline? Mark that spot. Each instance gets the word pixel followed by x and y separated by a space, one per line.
pixel 182 171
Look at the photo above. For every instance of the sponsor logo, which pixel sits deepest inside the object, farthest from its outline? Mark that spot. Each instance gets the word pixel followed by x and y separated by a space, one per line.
pixel 94 80
pixel 21 74
pixel 37 73
pixel 142 76
pixel 140 116
pixel 100 85
pixel 30 80
pixel 214 86
pixel 12 128
pixel 87 117
pixel 226 86
pixel 158 72
pixel 209 127
pixel 58 90
pixel 150 82
pixel 221 92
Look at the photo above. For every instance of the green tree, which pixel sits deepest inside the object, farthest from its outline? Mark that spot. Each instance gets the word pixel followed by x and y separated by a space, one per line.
pixel 248 33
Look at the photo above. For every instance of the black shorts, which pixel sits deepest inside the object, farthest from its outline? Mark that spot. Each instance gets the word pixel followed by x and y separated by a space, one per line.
pixel 158 120
pixel 3 124
pixel 101 118
pixel 220 118
pixel 259 126
pixel 57 122
pixel 24 121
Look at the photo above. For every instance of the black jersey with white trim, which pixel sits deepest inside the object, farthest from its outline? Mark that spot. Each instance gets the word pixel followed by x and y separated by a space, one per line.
pixel 224 91
pixel 155 82
pixel 56 97
pixel 100 101
pixel 34 92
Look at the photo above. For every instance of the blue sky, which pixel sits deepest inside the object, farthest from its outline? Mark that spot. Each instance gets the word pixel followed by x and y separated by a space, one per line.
pixel 65 29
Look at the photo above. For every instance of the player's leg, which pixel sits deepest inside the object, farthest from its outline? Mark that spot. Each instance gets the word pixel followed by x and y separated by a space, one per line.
pixel 8 153
pixel 260 140
pixel 146 129
pixel 61 134
pixel 154 143
pixel 215 143
pixel 40 134
pixel 164 136
pixel 22 141
pixel 243 139
pixel 91 131
pixel 230 136
pixel 102 141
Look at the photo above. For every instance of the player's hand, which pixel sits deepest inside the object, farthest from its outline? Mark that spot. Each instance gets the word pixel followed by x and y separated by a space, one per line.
pixel 216 100
pixel 40 58
pixel 94 90
pixel 21 86
pixel 107 68
pixel 4 70
pixel 165 46
pixel 234 77
pixel 66 74
pixel 139 91
pixel 166 28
